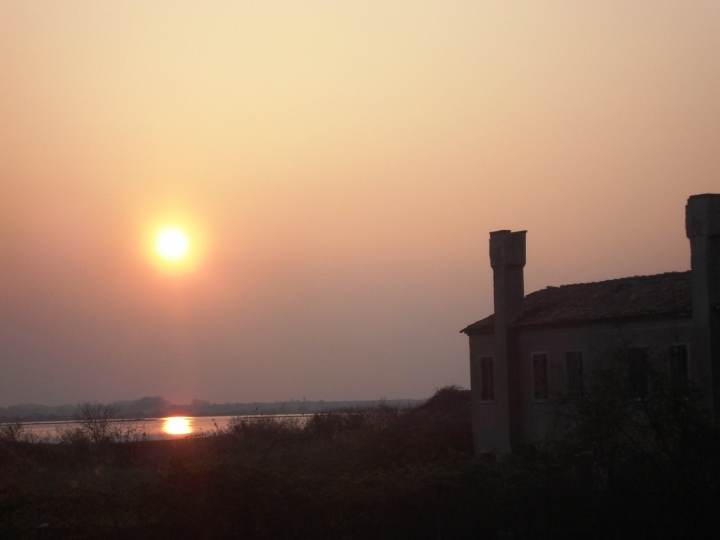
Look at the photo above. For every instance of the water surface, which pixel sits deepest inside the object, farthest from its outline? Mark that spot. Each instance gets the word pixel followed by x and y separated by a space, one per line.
pixel 171 427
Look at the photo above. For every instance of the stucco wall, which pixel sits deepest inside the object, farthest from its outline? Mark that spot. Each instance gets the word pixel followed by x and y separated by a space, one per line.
pixel 490 419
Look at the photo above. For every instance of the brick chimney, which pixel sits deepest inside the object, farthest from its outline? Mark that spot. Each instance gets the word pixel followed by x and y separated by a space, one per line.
pixel 702 224
pixel 507 258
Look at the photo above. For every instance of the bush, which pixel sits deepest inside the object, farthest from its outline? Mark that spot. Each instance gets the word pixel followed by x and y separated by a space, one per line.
pixel 266 428
pixel 12 432
pixel 649 454
pixel 98 425
pixel 622 468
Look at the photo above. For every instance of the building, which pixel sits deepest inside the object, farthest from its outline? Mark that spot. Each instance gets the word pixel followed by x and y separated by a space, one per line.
pixel 535 345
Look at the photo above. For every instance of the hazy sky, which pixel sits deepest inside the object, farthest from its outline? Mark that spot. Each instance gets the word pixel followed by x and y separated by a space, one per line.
pixel 339 166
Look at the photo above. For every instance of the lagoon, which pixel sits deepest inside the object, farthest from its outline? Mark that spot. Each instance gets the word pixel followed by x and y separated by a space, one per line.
pixel 172 427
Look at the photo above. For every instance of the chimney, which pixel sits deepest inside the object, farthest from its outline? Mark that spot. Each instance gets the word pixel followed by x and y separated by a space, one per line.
pixel 507 258
pixel 702 224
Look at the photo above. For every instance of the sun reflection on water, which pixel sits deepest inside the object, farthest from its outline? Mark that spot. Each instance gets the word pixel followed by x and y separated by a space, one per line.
pixel 178 425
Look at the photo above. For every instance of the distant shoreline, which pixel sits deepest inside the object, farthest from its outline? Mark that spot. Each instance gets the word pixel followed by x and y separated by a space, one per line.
pixel 159 418
pixel 157 407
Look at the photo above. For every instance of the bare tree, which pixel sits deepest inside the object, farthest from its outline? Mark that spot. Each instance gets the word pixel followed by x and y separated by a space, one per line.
pixel 98 424
pixel 96 420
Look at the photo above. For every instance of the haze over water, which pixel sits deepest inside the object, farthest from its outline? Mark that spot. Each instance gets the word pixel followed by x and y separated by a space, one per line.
pixel 337 168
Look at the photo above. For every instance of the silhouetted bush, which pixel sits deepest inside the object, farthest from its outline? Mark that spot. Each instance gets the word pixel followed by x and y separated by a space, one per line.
pixel 333 423
pixel 622 468
pixel 265 428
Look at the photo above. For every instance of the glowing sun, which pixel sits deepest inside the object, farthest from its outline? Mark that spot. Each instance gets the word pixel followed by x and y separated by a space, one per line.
pixel 177 425
pixel 172 243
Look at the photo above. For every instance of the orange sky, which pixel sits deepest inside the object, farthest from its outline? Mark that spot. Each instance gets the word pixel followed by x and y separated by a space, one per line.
pixel 342 165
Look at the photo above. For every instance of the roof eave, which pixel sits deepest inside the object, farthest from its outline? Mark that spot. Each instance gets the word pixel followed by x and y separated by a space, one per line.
pixel 471 331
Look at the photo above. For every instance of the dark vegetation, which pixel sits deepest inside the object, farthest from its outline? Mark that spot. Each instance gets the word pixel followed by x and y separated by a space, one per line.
pixel 620 466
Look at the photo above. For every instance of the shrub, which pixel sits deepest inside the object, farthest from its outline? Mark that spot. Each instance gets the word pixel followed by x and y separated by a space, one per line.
pixel 12 432
pixel 266 428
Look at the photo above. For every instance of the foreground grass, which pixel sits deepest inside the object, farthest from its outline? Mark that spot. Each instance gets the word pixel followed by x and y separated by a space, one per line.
pixel 375 473
pixel 345 474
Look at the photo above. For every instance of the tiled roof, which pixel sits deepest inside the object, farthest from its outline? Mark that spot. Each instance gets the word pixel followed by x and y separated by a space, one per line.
pixel 639 297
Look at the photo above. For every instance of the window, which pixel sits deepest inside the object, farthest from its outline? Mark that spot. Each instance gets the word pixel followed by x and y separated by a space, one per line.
pixel 540 371
pixel 487 379
pixel 678 366
pixel 574 371
pixel 637 371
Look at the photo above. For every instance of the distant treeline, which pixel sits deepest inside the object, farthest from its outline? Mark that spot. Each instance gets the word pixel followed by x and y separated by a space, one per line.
pixel 156 407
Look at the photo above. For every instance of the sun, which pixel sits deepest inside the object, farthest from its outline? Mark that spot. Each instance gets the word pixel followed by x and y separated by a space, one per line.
pixel 176 245
pixel 177 425
pixel 172 243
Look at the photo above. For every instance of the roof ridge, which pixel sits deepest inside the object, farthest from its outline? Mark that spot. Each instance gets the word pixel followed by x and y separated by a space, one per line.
pixel 626 278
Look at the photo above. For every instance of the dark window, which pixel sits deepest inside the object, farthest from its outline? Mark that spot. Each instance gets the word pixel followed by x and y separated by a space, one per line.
pixel 637 371
pixel 487 379
pixel 678 366
pixel 574 370
pixel 540 371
